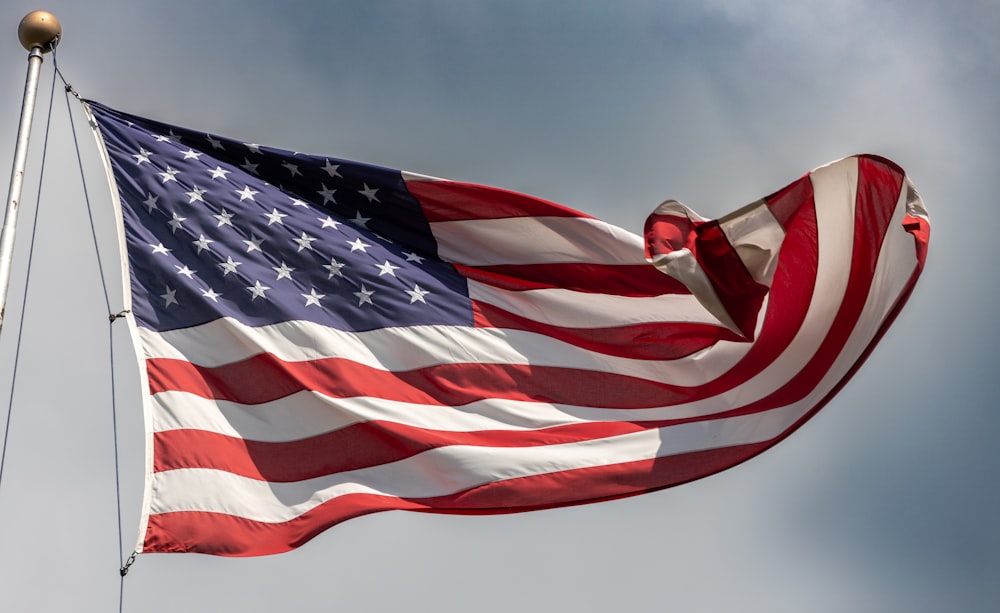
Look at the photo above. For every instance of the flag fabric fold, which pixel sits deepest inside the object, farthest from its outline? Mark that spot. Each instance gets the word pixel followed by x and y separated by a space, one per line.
pixel 321 339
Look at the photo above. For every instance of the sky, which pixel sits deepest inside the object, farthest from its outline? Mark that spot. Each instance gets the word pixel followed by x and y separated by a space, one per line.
pixel 887 500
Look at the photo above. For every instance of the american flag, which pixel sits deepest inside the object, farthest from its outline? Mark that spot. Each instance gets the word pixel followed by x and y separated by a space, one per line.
pixel 323 339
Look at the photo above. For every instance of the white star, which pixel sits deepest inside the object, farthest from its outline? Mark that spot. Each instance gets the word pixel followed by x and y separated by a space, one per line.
pixel 247 193
pixel 195 194
pixel 225 218
pixel 249 167
pixel 253 243
pixel 142 156
pixel 150 201
pixel 327 194
pixel 334 267
pixel 413 257
pixel 304 242
pixel 202 243
pixel 175 223
pixel 297 202
pixel 211 294
pixel 170 297
pixel 312 297
pixel 191 153
pixel 331 169
pixel 365 295
pixel 387 269
pixel 168 174
pixel 416 294
pixel 257 291
pixel 275 217
pixel 159 248
pixel 229 266
pixel 161 138
pixel 216 144
pixel 369 192
pixel 292 168
pixel 219 172
pixel 176 137
pixel 184 270
pixel 328 222
pixel 361 222
pixel 284 271
pixel 357 245
pixel 254 147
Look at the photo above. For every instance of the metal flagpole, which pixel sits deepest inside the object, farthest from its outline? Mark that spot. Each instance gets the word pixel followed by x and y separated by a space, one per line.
pixel 39 33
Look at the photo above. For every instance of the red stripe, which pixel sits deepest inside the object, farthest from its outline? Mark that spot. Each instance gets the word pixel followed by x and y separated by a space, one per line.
pixel 734 285
pixel 356 446
pixel 785 203
pixel 650 341
pixel 264 378
pixel 878 194
pixel 455 201
pixel 637 280
pixel 220 534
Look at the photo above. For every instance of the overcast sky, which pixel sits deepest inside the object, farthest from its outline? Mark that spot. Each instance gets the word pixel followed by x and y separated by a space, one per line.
pixel 888 500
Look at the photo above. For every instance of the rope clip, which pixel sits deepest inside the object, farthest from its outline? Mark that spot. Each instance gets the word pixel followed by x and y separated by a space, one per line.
pixel 128 563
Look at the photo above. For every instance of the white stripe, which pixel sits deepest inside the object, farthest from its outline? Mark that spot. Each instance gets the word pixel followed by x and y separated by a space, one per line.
pixel 226 341
pixel 416 176
pixel 571 309
pixel 536 240
pixel 306 414
pixel 447 470
pixel 677 209
pixel 897 258
pixel 683 266
pixel 756 236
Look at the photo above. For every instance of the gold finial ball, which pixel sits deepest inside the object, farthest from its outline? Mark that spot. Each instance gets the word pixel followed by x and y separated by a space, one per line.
pixel 39 29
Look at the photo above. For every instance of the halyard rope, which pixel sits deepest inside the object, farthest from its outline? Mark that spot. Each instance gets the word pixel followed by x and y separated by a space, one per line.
pixel 112 317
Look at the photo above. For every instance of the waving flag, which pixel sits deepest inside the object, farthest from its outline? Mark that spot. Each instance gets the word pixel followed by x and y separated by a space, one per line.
pixel 323 339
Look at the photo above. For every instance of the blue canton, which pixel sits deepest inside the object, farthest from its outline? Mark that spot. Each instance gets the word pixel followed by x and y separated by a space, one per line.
pixel 216 227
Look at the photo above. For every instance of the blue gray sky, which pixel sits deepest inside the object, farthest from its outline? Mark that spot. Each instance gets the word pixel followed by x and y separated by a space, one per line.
pixel 888 500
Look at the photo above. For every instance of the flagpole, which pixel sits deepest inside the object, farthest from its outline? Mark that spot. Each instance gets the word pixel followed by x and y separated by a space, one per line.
pixel 39 33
